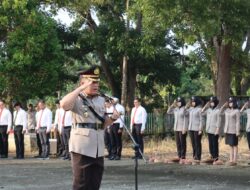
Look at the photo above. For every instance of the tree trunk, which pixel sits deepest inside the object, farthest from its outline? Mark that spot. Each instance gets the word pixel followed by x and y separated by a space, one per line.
pixel 110 77
pixel 131 86
pixel 224 72
pixel 124 81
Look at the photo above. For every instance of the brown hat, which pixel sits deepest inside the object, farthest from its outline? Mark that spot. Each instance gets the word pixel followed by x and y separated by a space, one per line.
pixel 92 73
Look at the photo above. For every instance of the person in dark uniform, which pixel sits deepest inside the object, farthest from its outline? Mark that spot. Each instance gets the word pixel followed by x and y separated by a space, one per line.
pixel 5 127
pixel 87 135
pixel 20 127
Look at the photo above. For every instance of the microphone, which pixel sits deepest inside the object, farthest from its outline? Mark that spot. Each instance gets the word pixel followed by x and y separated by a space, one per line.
pixel 105 96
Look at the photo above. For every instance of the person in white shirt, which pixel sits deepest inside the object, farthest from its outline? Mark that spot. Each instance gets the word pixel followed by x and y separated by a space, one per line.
pixel 116 130
pixel 65 129
pixel 58 133
pixel 31 118
pixel 5 127
pixel 137 125
pixel 107 140
pixel 20 127
pixel 43 127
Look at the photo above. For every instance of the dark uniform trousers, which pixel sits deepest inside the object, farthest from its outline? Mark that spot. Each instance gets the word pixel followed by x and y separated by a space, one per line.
pixel 136 133
pixel 116 140
pixel 196 144
pixel 60 144
pixel 44 138
pixel 39 145
pixel 87 172
pixel 4 146
pixel 181 144
pixel 213 145
pixel 19 141
pixel 248 139
pixel 107 141
pixel 65 137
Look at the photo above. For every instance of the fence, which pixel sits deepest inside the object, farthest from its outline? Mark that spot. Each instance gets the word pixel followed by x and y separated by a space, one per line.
pixel 162 124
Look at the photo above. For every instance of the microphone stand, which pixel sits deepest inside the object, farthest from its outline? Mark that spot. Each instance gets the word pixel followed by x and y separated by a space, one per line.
pixel 135 145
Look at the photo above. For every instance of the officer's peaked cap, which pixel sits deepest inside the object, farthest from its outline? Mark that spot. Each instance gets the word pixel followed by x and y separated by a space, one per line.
pixel 93 73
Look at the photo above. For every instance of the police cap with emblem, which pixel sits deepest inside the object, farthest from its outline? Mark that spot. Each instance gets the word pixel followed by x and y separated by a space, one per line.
pixel 92 73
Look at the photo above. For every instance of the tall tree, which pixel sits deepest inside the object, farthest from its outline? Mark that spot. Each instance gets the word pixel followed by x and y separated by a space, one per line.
pixel 215 25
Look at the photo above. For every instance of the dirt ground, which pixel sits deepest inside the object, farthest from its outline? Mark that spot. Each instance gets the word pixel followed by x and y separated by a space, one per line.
pixel 55 174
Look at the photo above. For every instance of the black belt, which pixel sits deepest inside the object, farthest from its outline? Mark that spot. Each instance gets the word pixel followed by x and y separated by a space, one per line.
pixel 137 124
pixel 94 126
pixel 42 127
pixel 3 125
pixel 67 127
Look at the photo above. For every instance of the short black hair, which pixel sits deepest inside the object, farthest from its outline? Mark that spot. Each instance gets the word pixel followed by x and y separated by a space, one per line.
pixel 138 99
pixel 17 104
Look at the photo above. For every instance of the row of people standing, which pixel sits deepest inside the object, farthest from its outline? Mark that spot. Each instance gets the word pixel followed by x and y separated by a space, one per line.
pixel 113 133
pixel 190 118
pixel 39 122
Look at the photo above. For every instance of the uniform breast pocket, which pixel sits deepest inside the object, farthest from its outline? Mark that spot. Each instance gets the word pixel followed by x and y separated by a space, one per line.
pixel 82 132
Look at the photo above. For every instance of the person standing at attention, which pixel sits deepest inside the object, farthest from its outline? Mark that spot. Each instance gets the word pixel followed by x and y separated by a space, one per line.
pixel 5 127
pixel 231 128
pixel 138 124
pixel 20 127
pixel 180 128
pixel 44 124
pixel 87 135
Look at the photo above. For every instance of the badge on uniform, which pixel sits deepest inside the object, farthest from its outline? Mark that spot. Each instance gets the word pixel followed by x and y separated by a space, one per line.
pixel 85 111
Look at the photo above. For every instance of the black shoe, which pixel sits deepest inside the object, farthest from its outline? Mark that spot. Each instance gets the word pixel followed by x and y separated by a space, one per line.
pixel 4 156
pixel 117 158
pixel 66 158
pixel 111 158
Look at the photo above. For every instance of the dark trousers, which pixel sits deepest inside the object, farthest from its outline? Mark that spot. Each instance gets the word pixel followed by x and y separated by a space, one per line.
pixel 196 144
pixel 248 139
pixel 4 145
pixel 39 145
pixel 19 141
pixel 181 144
pixel 44 138
pixel 136 133
pixel 116 140
pixel 107 141
pixel 87 172
pixel 66 135
pixel 60 144
pixel 213 145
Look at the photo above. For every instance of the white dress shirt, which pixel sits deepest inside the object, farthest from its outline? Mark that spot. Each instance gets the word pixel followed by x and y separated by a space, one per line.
pixel 140 117
pixel 67 119
pixel 121 110
pixel 20 118
pixel 44 117
pixel 56 120
pixel 6 118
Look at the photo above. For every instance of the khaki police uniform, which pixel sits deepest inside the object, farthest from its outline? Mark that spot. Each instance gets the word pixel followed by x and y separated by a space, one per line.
pixel 86 142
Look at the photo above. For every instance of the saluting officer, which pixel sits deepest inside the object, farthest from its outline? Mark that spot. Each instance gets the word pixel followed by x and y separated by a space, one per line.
pixel 180 127
pixel 87 135
pixel 213 125
pixel 20 127
pixel 195 128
